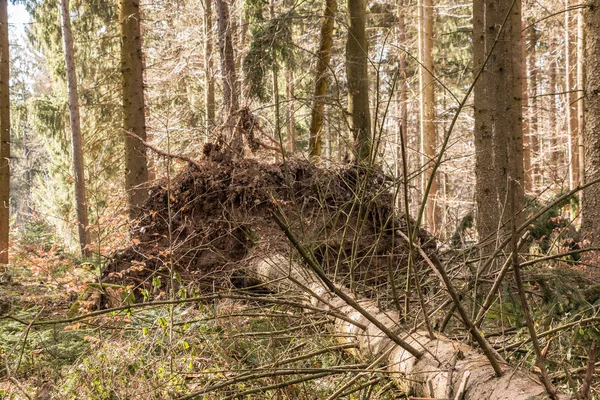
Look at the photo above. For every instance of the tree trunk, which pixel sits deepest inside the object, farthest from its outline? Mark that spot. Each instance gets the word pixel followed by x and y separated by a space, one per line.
pixel 290 117
pixel 527 171
pixel 357 73
pixel 591 138
pixel 402 89
pixel 4 133
pixel 209 89
pixel 76 139
pixel 322 71
pixel 412 375
pixel 536 154
pixel 427 104
pixel 230 95
pixel 134 121
pixel 571 109
pixel 581 32
pixel 552 110
pixel 498 113
pixel 233 136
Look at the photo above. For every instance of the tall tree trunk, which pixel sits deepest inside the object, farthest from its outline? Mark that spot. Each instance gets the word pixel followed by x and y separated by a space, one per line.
pixel 230 93
pixel 498 113
pixel 402 95
pixel 527 179
pixel 581 32
pixel 427 104
pixel 76 139
pixel 322 71
pixel 357 73
pixel 515 111
pixel 552 109
pixel 291 120
pixel 275 71
pixel 209 84
pixel 4 133
pixel 571 109
pixel 134 121
pixel 590 224
pixel 533 108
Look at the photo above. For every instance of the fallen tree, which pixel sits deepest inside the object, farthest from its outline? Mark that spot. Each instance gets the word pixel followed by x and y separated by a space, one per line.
pixel 214 224
pixel 443 368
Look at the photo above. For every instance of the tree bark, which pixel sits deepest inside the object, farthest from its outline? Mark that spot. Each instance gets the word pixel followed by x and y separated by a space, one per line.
pixel 233 136
pixel 134 120
pixel 412 375
pixel 209 90
pixel 552 124
pixel 427 104
pixel 322 71
pixel 402 89
pixel 498 113
pixel 590 225
pixel 536 154
pixel 290 117
pixel 527 181
pixel 357 72
pixel 571 109
pixel 4 133
pixel 76 138
pixel 581 32
pixel 230 94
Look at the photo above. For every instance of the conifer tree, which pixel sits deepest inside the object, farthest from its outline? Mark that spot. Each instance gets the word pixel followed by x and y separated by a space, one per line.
pixel 4 134
pixel 324 57
pixel 357 53
pixel 134 120
pixel 76 139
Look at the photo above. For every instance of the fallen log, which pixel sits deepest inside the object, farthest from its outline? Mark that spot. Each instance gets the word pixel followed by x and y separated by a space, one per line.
pixel 442 368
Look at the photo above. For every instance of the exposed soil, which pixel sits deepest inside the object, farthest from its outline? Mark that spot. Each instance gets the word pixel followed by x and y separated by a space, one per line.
pixel 212 214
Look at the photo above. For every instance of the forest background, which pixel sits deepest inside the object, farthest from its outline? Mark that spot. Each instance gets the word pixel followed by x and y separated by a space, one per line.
pixel 461 146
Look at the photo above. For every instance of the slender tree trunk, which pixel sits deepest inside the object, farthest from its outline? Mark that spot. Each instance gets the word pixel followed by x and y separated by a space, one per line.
pixel 581 32
pixel 76 139
pixel 276 102
pixel 134 121
pixel 590 224
pixel 533 121
pixel 275 71
pixel 402 95
pixel 552 109
pixel 357 56
pixel 290 117
pixel 4 133
pixel 427 103
pixel 230 91
pixel 227 59
pixel 209 89
pixel 498 113
pixel 242 50
pixel 527 179
pixel 515 111
pixel 571 109
pixel 322 71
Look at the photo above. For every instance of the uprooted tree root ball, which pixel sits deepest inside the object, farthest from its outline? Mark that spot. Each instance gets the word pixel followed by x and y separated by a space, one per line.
pixel 208 219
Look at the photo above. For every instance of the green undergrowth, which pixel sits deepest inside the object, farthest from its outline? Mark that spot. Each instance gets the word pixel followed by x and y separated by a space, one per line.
pixel 157 352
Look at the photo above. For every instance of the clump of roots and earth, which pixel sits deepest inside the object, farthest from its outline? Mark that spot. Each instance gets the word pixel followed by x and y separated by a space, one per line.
pixel 214 215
